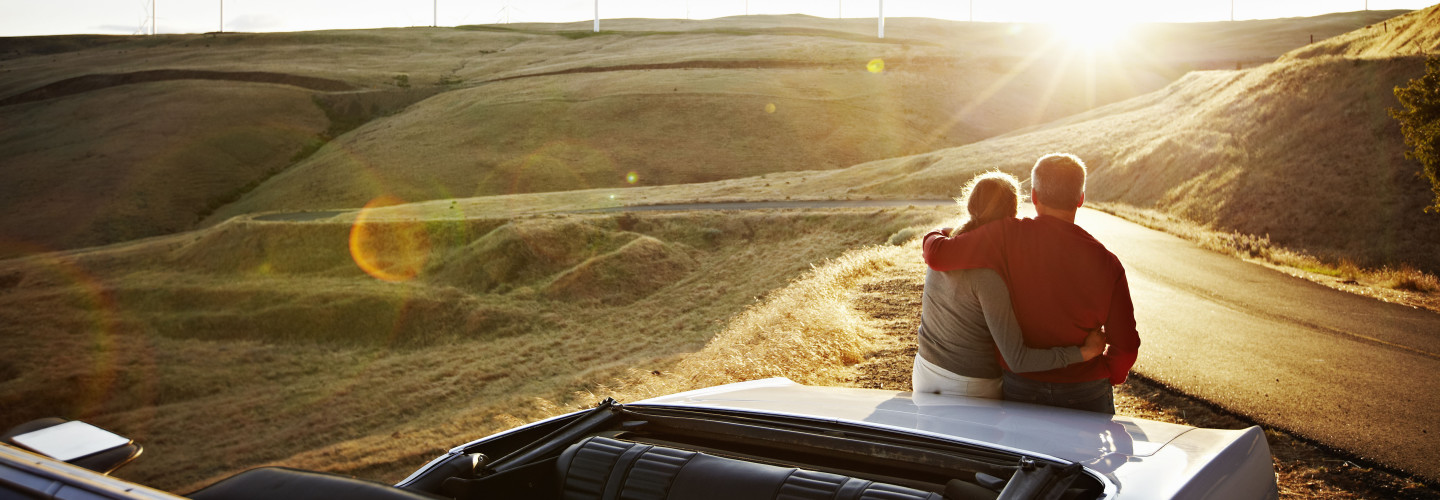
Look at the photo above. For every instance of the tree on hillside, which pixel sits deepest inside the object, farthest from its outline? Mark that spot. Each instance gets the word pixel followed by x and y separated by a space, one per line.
pixel 1420 122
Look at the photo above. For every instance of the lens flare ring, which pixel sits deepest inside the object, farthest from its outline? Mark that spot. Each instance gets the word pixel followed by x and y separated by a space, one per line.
pixel 394 249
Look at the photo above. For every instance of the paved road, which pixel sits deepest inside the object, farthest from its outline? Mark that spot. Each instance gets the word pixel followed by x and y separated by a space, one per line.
pixel 1351 372
pixel 736 205
pixel 760 205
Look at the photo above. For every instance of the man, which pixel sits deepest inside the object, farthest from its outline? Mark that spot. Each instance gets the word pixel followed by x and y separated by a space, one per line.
pixel 1062 282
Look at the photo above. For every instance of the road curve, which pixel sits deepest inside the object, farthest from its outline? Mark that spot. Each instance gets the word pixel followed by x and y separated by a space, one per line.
pixel 1351 372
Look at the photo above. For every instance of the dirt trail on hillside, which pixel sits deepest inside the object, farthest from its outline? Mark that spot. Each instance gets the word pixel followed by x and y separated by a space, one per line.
pixel 87 83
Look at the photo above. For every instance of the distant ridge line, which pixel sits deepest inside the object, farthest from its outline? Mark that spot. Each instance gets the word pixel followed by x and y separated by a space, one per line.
pixel 87 83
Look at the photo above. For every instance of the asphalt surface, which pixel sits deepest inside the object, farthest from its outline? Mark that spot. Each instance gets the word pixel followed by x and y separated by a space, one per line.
pixel 761 205
pixel 679 207
pixel 1350 372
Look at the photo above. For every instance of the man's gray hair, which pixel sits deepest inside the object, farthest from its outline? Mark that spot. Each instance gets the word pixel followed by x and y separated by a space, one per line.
pixel 1058 180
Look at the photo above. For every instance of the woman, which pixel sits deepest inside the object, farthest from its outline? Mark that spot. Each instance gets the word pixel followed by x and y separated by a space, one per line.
pixel 966 314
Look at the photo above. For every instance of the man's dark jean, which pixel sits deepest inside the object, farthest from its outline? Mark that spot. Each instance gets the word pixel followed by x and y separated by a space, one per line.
pixel 1094 395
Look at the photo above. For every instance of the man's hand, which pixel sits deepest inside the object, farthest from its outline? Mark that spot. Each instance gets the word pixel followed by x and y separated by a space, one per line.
pixel 1094 345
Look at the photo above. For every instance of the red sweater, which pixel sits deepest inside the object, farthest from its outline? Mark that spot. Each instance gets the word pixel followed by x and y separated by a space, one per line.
pixel 1062 282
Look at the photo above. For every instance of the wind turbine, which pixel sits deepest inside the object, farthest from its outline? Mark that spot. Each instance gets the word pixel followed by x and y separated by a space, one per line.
pixel 881 17
pixel 597 16
pixel 505 13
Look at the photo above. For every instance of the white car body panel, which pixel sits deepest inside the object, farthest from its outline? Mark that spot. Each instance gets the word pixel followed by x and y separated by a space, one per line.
pixel 1137 458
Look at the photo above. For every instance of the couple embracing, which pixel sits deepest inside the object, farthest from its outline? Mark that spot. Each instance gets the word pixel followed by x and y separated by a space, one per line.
pixel 1032 310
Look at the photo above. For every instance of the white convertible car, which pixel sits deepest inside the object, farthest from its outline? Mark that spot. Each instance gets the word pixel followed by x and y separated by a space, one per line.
pixel 769 439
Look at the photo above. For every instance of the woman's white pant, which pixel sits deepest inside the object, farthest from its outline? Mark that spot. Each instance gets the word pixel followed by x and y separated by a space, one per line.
pixel 930 378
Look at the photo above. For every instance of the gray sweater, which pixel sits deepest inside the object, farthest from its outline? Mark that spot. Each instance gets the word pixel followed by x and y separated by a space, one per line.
pixel 966 314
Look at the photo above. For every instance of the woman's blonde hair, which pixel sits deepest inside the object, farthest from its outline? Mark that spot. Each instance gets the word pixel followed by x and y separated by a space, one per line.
pixel 989 196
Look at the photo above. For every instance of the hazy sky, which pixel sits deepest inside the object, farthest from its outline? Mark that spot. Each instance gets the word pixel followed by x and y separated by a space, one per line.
pixel 51 17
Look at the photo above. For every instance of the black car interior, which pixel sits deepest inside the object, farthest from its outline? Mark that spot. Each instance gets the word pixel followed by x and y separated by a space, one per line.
pixel 640 452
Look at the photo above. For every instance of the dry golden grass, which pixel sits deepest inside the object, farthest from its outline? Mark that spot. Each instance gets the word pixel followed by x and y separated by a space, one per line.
pixel 129 162
pixel 365 58
pixel 315 364
pixel 1412 34
pixel 690 103
pixel 669 126
pixel 738 115
pixel 805 330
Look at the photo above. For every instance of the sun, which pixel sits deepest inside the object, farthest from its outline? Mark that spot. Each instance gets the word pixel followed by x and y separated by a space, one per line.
pixel 1092 34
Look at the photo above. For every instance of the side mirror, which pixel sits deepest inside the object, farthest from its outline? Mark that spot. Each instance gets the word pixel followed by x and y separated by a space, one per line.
pixel 74 442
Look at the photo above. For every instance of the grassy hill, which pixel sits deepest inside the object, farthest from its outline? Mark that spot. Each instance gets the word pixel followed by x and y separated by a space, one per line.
pixel 177 127
pixel 275 325
pixel 1408 35
pixel 483 312
pixel 674 103
pixel 121 163
pixel 1301 150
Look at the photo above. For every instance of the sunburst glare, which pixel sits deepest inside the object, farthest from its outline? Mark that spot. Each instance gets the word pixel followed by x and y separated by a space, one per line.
pixel 1092 34
pixel 1091 26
